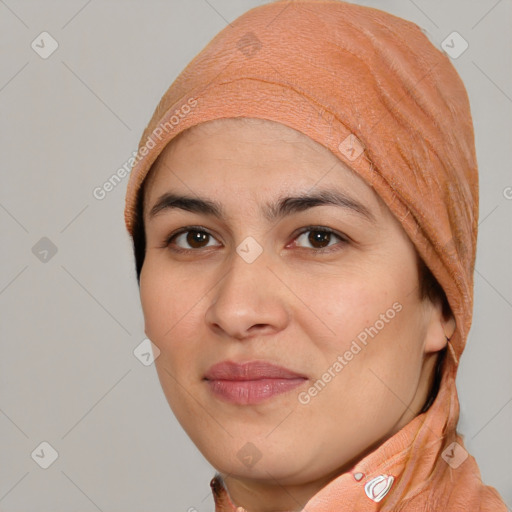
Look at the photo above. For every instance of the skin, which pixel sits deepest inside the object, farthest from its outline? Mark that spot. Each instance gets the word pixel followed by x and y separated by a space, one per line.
pixel 294 305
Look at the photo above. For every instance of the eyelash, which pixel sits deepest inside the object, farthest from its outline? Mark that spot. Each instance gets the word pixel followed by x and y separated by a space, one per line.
pixel 167 244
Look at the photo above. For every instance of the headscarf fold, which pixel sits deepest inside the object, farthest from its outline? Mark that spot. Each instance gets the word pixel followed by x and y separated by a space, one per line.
pixel 371 88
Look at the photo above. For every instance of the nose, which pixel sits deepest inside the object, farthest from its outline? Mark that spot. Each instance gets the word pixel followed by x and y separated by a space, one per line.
pixel 249 300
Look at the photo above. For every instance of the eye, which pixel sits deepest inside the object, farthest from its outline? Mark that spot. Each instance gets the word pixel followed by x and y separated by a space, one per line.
pixel 194 236
pixel 319 237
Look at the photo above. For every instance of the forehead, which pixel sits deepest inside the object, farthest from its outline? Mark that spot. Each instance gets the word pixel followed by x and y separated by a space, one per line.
pixel 281 155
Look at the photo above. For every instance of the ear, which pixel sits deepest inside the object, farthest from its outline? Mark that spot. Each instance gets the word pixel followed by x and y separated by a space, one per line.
pixel 438 326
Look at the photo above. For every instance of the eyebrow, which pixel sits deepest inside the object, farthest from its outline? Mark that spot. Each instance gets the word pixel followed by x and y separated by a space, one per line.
pixel 272 211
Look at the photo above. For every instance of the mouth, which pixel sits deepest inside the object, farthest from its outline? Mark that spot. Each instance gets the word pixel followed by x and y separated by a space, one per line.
pixel 251 382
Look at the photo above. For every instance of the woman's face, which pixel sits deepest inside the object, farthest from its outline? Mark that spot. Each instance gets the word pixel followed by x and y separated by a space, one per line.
pixel 327 291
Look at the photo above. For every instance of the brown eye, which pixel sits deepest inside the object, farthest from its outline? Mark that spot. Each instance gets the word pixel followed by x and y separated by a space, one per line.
pixel 189 239
pixel 196 239
pixel 320 238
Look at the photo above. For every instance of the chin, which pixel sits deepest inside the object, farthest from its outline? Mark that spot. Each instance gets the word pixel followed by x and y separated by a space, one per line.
pixel 249 462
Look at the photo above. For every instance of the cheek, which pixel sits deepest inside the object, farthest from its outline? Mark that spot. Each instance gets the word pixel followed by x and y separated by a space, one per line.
pixel 153 300
pixel 338 308
pixel 171 308
pixel 381 360
pixel 374 324
pixel 167 302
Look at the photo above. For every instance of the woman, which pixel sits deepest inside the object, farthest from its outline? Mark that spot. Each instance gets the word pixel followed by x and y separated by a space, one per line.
pixel 304 208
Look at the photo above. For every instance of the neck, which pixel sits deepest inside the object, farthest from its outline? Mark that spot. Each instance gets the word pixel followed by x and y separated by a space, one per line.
pixel 272 496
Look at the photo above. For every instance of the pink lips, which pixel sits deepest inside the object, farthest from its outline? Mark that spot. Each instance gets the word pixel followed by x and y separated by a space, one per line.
pixel 251 382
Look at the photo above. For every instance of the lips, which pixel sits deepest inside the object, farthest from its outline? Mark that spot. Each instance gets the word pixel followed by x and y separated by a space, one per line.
pixel 251 383
pixel 253 370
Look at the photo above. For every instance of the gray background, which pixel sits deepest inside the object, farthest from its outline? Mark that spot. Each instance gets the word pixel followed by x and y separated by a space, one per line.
pixel 71 320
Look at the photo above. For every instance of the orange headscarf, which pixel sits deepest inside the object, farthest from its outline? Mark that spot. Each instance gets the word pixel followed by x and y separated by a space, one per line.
pixel 371 88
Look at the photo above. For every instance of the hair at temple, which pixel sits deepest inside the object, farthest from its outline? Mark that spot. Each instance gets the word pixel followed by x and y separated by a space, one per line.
pixel 429 288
